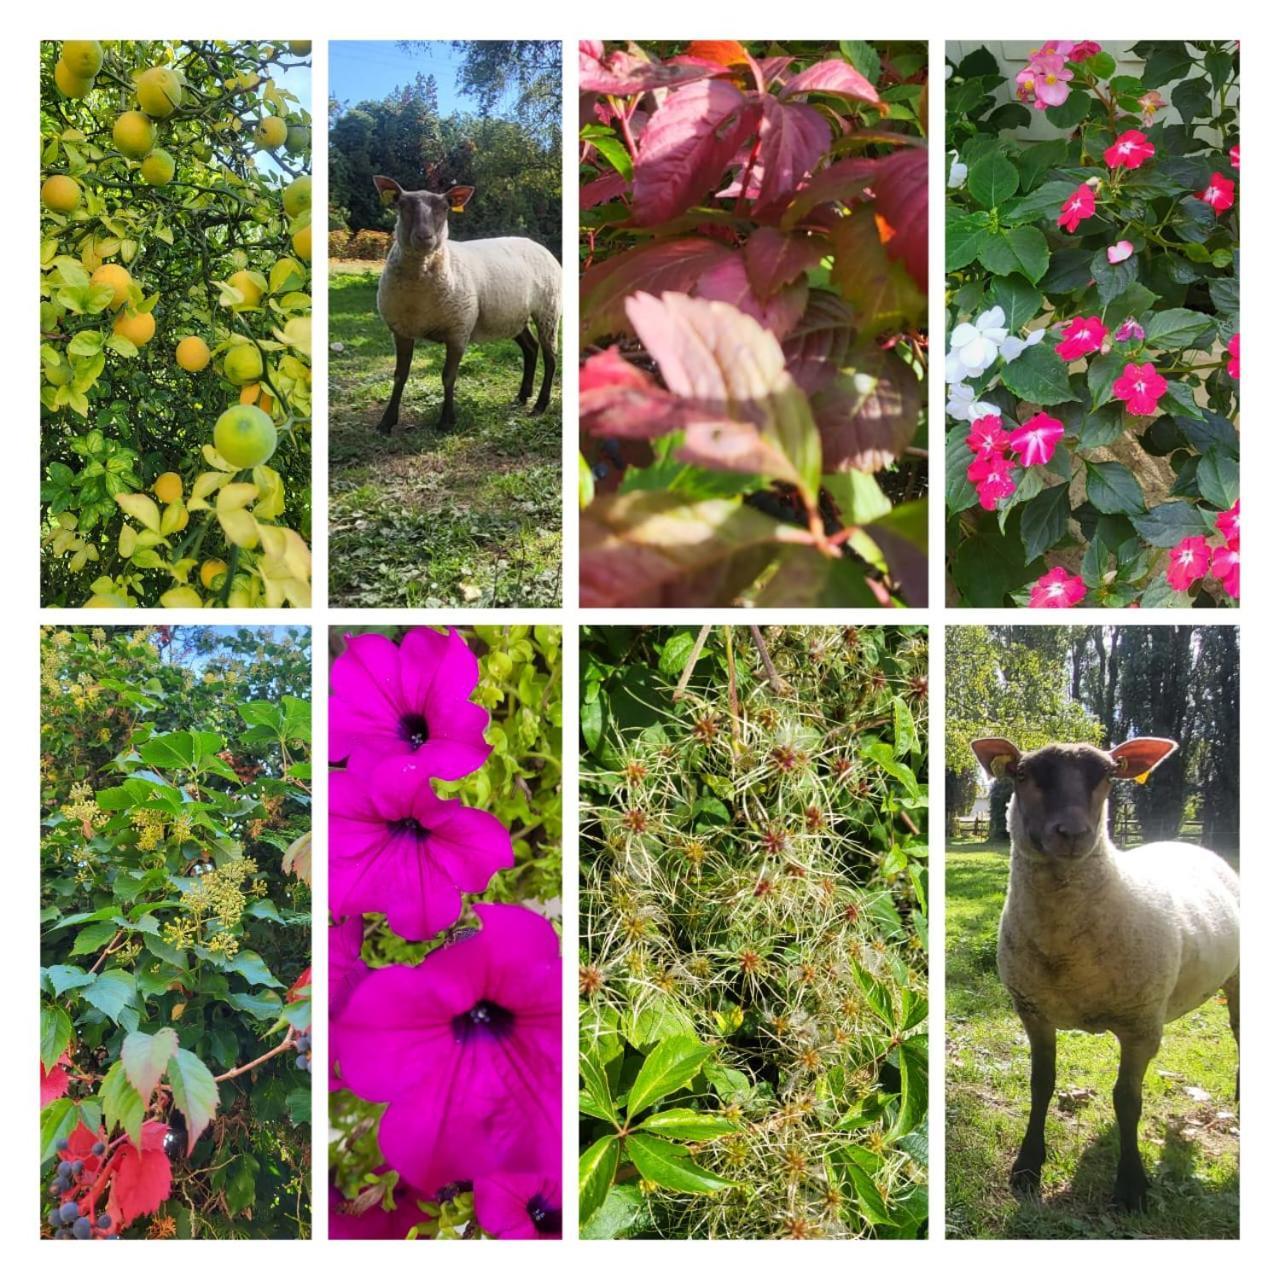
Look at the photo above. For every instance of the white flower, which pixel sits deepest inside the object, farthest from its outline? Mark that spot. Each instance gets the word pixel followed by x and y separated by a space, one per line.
pixel 981 409
pixel 959 398
pixel 1011 348
pixel 975 345
pixel 958 172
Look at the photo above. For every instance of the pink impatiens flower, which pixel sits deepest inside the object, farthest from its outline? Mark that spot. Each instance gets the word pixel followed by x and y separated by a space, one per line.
pixel 1228 523
pixel 988 436
pixel 465 1046
pixel 1234 153
pixel 1188 563
pixel 1083 336
pixel 1078 206
pixel 1233 350
pixel 1220 194
pixel 1121 251
pixel 989 476
pixel 396 847
pixel 1129 151
pixel 1140 387
pixel 1035 441
pixel 1226 568
pixel 410 699
pixel 1057 589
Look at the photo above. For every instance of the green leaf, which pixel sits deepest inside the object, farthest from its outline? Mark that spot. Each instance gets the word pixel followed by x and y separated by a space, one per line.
pixel 55 1034
pixel 1071 112
pixel 122 1104
pixel 858 496
pixel 596 1082
pixel 94 937
pixel 1218 476
pixel 859 1185
pixel 110 992
pixel 1169 523
pixel 1038 376
pixel 968 236
pixel 146 1056
pixel 685 1123
pixel 1176 327
pixel 1111 488
pixel 625 1213
pixel 669 1066
pixel 180 750
pixel 1044 520
pixel 992 179
pixel 1101 378
pixel 1113 278
pixel 1179 398
pixel 1030 251
pixel 913 1064
pixel 675 653
pixel 252 967
pixel 66 977
pixel 905 738
pixel 57 1121
pixel 596 1167
pixel 670 1165
pixel 1020 300
pixel 257 1004
pixel 195 1093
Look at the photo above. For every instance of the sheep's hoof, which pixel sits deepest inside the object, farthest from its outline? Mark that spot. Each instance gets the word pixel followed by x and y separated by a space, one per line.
pixel 538 409
pixel 1130 1194
pixel 444 423
pixel 1025 1183
pixel 522 397
pixel 386 426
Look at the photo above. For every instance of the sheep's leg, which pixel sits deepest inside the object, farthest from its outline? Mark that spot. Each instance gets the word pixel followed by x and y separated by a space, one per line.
pixel 1136 1051
pixel 449 375
pixel 404 358
pixel 547 341
pixel 528 345
pixel 1025 1179
pixel 1231 989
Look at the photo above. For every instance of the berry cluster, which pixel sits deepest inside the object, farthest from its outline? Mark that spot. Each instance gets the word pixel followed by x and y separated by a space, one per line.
pixel 303 1045
pixel 71 1218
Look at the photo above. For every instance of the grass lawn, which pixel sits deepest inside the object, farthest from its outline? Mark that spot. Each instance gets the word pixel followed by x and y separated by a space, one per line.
pixel 424 520
pixel 1189 1129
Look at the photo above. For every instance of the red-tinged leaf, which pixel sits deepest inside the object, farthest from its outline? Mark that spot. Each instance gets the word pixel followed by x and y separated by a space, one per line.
pixel 868 418
pixel 883 295
pixel 834 76
pixel 617 399
pixel 816 348
pixel 610 369
pixel 601 190
pixel 727 282
pixel 141 1179
pixel 53 1084
pixel 724 53
pixel 80 1144
pixel 686 147
pixel 902 200
pixel 651 548
pixel 846 182
pixel 902 535
pixel 793 138
pixel 195 1093
pixel 774 258
pixel 622 74
pixel 145 1058
pixel 725 445
pixel 656 267
pixel 775 68
pixel 804 578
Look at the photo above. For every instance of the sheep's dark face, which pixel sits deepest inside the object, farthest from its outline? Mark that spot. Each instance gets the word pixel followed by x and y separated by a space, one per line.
pixel 422 221
pixel 1059 802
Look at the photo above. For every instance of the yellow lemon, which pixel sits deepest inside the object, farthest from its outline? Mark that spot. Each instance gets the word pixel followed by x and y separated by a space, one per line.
pixel 192 354
pixel 297 196
pixel 60 193
pixel 134 134
pixel 168 487
pixel 181 598
pixel 249 288
pixel 299 48
pixel 159 92
pixel 158 168
pixel 119 280
pixel 243 364
pixel 302 243
pixel 211 571
pixel 270 133
pixel 69 84
pixel 106 602
pixel 245 436
pixel 139 327
pixel 83 57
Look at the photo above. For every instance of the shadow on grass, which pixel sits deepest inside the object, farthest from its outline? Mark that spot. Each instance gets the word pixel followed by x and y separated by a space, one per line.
pixel 423 519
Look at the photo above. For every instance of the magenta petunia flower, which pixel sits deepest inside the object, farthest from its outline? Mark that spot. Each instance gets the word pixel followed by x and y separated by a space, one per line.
pixel 1228 523
pixel 1037 438
pixel 409 699
pixel 1078 206
pixel 1226 568
pixel 1083 336
pixel 1233 351
pixel 1129 151
pixel 1220 194
pixel 1057 589
pixel 346 971
pixel 1140 387
pixel 1188 563
pixel 988 436
pixel 396 847
pixel 519 1206
pixel 466 1048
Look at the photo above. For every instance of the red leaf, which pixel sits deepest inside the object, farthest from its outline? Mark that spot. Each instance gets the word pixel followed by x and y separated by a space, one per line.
pixel 609 369
pixel 623 74
pixel 882 292
pixel 686 147
pixel 832 76
pixel 815 349
pixel 793 138
pixel 867 418
pixel 656 267
pixel 617 399
pixel 727 282
pixel 774 258
pixel 902 199
pixel 846 181
pixel 601 190
pixel 140 1183
pixel 53 1084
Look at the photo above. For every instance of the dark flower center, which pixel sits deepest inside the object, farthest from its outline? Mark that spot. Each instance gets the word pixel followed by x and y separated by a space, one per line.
pixel 408 827
pixel 544 1216
pixel 484 1018
pixel 414 729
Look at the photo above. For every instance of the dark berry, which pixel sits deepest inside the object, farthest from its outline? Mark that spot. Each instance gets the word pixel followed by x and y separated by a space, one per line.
pixel 104 1221
pixel 98 1148
pixel 61 1145
pixel 55 1219
pixel 64 1169
pixel 78 1167
pixel 69 1212
pixel 82 1230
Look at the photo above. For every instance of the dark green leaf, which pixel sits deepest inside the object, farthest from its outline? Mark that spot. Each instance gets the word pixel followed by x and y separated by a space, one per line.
pixel 1176 327
pixel 1038 376
pixel 195 1093
pixel 992 180
pixel 669 1066
pixel 1112 489
pixel 55 1034
pixel 1218 476
pixel 1044 520
pixel 596 1167
pixel 1170 522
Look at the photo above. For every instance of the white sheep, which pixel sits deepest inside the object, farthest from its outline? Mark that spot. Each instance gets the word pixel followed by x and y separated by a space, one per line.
pixel 432 290
pixel 1097 939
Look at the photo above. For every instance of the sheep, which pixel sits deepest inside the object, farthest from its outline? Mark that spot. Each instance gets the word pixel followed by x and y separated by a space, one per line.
pixel 465 292
pixel 1095 939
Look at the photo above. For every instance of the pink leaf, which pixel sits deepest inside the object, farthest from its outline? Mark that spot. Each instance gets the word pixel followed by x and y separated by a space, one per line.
pixel 140 1184
pixel 846 181
pixel 609 369
pixel 727 282
pixel 54 1083
pixel 600 190
pixel 622 74
pixel 656 267
pixel 832 76
pixel 793 138
pixel 869 417
pixel 774 258
pixel 617 399
pixel 686 148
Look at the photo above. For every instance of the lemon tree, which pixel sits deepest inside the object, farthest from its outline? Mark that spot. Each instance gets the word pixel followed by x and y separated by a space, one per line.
pixel 175 215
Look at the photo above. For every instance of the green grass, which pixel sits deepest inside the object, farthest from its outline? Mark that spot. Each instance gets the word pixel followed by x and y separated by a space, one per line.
pixel 1190 1149
pixel 421 519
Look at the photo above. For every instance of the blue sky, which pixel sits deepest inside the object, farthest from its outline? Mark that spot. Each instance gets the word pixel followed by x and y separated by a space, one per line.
pixel 362 69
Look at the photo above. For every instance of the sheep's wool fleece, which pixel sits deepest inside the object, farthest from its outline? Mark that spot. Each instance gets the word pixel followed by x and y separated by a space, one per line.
pixel 472 291
pixel 1116 940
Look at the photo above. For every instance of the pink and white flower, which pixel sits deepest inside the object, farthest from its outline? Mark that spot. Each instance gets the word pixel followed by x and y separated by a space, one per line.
pixel 1233 351
pixel 1035 441
pixel 1234 153
pixel 1083 336
pixel 1129 330
pixel 988 436
pixel 1226 568
pixel 1078 206
pixel 1188 563
pixel 1228 523
pixel 1119 252
pixel 1130 150
pixel 1057 589
pixel 1220 194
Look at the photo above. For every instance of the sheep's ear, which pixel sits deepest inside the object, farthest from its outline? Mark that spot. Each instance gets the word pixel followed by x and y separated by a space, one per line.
pixel 458 197
pixel 1137 757
pixel 996 755
pixel 388 189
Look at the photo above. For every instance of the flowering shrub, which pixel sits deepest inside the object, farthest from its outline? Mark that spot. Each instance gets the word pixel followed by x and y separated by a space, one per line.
pixel 751 968
pixel 754 258
pixel 444 984
pixel 1093 363
pixel 175 990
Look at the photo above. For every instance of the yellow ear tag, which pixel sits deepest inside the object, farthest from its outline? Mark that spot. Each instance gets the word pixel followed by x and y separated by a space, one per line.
pixel 1142 777
pixel 457 208
pixel 999 765
pixel 386 197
